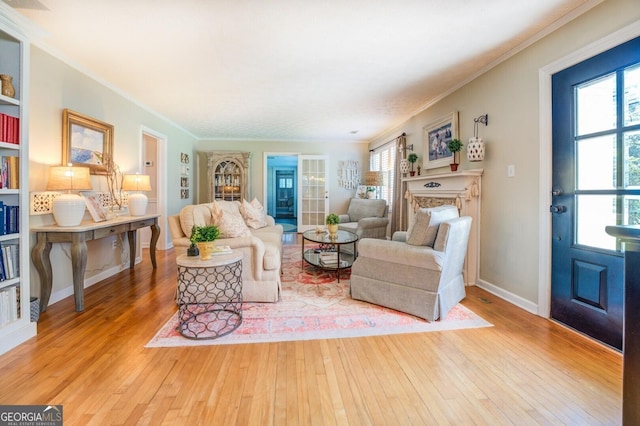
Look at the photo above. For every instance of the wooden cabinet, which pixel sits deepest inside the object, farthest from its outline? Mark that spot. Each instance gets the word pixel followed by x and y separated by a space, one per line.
pixel 15 318
pixel 228 175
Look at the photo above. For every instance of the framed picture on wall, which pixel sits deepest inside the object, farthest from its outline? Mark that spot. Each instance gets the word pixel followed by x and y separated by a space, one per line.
pixel 86 141
pixel 435 137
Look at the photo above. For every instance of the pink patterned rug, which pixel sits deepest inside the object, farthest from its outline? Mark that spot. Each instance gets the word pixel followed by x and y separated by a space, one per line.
pixel 313 305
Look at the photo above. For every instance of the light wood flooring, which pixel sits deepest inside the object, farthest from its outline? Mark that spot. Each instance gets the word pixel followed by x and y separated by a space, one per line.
pixel 524 370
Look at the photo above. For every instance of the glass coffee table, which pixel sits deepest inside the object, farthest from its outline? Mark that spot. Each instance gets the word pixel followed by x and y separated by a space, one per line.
pixel 333 252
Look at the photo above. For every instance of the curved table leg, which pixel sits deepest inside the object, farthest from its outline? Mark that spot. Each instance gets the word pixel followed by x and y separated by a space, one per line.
pixel 155 234
pixel 79 264
pixel 131 236
pixel 42 263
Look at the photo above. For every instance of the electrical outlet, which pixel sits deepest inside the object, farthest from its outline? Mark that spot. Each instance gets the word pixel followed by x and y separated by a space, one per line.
pixel 511 170
pixel 114 244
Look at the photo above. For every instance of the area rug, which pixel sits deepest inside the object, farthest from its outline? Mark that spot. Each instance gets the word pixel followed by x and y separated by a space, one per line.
pixel 314 305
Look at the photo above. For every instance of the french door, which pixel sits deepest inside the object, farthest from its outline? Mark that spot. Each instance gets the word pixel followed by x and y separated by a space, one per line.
pixel 313 191
pixel 596 182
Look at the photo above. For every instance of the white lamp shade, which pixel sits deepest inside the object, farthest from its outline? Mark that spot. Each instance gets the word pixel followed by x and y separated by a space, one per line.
pixel 68 209
pixel 137 204
pixel 67 178
pixel 136 182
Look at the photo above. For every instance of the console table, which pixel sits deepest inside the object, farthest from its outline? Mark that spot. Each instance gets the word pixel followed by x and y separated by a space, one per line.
pixel 78 237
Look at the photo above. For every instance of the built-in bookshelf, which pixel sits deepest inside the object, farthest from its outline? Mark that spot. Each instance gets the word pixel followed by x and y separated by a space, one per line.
pixel 15 318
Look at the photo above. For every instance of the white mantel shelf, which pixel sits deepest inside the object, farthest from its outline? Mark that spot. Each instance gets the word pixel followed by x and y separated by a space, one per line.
pixel 462 189
pixel 449 175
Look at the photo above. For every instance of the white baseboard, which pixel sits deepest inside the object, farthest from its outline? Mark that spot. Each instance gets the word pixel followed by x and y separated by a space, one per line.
pixel 58 295
pixel 509 297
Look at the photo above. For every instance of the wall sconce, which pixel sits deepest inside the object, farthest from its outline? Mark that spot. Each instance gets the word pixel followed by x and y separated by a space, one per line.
pixel 68 209
pixel 137 202
pixel 475 149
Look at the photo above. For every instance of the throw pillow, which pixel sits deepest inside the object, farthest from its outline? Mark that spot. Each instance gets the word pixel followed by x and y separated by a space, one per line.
pixel 194 214
pixel 424 228
pixel 253 213
pixel 231 226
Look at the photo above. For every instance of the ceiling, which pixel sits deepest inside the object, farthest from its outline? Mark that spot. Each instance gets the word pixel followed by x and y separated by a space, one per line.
pixel 299 70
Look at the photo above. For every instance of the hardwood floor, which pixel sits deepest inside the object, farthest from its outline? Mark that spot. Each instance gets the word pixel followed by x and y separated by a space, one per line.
pixel 524 370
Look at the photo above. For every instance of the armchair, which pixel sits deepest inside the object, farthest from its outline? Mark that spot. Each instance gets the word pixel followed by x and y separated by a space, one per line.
pixel 366 218
pixel 420 280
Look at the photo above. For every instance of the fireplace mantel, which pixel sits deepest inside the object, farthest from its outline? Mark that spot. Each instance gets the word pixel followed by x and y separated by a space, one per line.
pixel 462 189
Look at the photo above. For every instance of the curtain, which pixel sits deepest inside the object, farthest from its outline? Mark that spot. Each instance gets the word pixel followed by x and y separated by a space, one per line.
pixel 398 220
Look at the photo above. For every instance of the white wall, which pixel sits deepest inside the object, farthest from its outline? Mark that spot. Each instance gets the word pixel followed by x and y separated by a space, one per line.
pixel 55 86
pixel 509 94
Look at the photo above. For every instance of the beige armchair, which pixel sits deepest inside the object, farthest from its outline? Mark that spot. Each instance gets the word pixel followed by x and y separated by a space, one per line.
pixel 419 279
pixel 366 218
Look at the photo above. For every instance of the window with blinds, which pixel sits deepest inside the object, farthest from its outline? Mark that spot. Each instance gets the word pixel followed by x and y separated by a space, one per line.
pixel 383 159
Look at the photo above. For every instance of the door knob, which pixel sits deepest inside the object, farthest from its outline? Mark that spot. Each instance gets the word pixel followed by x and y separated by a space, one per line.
pixel 557 209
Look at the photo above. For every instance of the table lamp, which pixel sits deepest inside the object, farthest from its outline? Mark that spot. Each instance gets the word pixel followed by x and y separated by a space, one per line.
pixel 374 179
pixel 68 209
pixel 137 201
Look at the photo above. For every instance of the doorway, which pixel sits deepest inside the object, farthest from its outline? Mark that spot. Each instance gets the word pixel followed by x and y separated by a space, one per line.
pixel 282 189
pixel 596 182
pixel 153 154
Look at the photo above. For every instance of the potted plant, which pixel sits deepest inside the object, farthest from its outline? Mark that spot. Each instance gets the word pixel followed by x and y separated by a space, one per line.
pixel 204 237
pixel 332 222
pixel 454 146
pixel 412 158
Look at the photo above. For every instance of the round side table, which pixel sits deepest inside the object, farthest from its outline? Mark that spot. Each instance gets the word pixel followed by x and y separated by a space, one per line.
pixel 209 295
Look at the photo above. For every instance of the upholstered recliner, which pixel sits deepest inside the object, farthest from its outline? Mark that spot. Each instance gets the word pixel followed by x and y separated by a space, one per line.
pixel 366 218
pixel 419 271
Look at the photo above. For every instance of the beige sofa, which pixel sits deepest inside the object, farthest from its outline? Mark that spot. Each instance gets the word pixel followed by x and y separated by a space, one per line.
pixel 261 248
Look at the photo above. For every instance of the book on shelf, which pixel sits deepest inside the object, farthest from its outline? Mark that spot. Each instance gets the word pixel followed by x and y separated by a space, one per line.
pixel 9 129
pixel 9 172
pixel 334 264
pixel 8 305
pixel 329 257
pixel 9 219
pixel 9 261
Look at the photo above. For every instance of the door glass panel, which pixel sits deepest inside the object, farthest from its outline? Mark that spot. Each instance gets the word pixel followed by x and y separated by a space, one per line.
pixel 632 96
pixel 632 159
pixel 593 214
pixel 596 105
pixel 600 151
pixel 631 210
pixel 313 191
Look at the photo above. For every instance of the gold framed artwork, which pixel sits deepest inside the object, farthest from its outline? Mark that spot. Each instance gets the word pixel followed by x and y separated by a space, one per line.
pixel 86 141
pixel 435 139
